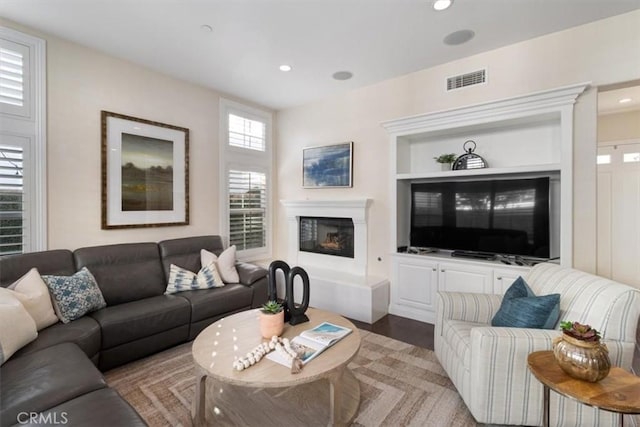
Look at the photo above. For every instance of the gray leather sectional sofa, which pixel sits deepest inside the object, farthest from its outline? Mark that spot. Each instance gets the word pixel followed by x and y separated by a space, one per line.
pixel 57 372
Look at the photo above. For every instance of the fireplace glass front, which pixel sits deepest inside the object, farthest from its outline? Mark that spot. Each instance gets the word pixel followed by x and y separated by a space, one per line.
pixel 329 236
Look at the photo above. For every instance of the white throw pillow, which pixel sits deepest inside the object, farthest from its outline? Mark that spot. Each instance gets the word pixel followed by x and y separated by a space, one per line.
pixel 33 293
pixel 226 263
pixel 17 327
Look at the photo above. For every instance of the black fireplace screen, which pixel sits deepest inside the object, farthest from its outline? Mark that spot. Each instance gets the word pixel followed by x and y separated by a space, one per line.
pixel 330 236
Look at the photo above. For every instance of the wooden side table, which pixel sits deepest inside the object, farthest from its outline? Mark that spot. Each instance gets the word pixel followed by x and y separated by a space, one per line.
pixel 619 392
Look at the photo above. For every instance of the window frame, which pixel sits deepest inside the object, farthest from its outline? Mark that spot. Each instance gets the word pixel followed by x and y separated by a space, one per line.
pixel 31 126
pixel 250 160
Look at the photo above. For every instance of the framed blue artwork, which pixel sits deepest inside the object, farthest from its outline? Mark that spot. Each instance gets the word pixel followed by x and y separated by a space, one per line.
pixel 327 166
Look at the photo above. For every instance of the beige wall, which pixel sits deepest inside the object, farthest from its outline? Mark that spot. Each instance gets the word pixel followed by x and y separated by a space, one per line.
pixel 80 83
pixel 619 126
pixel 603 52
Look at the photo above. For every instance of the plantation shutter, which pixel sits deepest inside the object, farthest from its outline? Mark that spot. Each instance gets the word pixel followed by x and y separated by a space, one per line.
pixel 247 209
pixel 12 206
pixel 247 133
pixel 14 78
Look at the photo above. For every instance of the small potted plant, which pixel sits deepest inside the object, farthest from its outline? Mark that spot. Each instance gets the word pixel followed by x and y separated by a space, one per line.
pixel 271 319
pixel 445 160
pixel 580 353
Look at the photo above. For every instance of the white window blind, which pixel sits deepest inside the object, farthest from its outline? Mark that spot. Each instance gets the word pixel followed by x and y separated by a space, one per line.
pixel 247 209
pixel 12 208
pixel 14 78
pixel 247 133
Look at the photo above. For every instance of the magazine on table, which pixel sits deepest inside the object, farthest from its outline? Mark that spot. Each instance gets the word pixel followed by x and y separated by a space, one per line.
pixel 310 343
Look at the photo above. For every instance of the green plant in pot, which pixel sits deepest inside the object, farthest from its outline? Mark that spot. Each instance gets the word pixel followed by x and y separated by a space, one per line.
pixel 446 160
pixel 580 353
pixel 271 319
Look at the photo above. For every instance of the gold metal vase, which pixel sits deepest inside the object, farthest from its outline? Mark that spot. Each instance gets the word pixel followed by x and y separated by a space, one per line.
pixel 584 360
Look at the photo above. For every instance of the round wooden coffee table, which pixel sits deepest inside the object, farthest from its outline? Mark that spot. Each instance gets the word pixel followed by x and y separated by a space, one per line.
pixel 215 349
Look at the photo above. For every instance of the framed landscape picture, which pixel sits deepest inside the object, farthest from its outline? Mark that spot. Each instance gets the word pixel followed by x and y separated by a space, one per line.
pixel 327 166
pixel 145 173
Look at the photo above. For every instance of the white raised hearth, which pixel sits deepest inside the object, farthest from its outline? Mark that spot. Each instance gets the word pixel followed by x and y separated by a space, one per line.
pixel 339 284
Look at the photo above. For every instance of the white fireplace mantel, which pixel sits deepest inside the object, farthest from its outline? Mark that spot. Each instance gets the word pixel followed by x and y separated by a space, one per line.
pixel 356 209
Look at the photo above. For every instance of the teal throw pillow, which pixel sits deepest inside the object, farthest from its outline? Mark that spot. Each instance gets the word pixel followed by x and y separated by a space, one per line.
pixel 521 308
pixel 181 279
pixel 74 296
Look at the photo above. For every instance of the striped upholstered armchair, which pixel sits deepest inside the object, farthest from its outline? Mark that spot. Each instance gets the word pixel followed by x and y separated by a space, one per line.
pixel 488 365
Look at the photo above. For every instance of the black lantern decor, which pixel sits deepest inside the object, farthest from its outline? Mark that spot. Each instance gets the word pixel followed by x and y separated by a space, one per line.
pixel 469 160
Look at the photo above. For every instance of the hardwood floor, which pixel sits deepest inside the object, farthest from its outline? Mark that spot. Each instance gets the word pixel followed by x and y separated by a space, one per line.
pixel 421 334
pixel 399 328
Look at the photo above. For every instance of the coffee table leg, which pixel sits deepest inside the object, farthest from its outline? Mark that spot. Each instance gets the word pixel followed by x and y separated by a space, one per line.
pixel 198 415
pixel 335 397
pixel 545 409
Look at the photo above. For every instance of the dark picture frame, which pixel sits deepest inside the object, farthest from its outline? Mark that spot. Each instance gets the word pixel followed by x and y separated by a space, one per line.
pixel 145 173
pixel 328 166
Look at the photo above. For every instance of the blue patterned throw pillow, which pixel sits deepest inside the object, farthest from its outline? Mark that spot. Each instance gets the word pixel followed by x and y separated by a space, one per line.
pixel 74 296
pixel 181 279
pixel 521 308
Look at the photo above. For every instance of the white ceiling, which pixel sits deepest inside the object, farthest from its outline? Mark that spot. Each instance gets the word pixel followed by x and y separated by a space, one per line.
pixel 609 101
pixel 374 39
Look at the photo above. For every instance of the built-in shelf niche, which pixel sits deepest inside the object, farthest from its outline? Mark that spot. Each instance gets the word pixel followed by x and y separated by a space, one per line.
pixel 524 135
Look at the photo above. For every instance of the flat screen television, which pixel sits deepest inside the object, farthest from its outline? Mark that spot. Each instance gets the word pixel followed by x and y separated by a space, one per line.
pixel 499 216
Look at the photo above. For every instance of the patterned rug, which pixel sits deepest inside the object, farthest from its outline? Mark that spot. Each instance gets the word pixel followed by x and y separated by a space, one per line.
pixel 400 384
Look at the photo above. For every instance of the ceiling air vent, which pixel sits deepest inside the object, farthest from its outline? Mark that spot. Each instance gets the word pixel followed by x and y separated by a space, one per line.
pixel 469 79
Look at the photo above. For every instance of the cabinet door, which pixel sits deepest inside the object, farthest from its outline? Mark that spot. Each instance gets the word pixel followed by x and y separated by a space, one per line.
pixel 415 284
pixel 503 278
pixel 465 278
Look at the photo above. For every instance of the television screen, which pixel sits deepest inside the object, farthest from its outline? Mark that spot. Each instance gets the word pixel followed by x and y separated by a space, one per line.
pixel 502 216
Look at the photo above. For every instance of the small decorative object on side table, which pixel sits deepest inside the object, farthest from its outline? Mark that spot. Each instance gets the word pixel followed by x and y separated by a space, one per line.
pixel 619 392
pixel 580 353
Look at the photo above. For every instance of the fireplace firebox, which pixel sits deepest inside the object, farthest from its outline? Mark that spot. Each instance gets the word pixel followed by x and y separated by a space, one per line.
pixel 329 236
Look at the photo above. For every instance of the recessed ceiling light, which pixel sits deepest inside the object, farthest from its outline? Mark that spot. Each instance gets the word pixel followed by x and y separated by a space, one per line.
pixel 459 37
pixel 442 4
pixel 285 67
pixel 206 28
pixel 625 100
pixel 342 75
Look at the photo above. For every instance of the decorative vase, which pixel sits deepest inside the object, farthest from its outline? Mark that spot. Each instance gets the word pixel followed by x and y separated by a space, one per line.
pixel 271 324
pixel 584 360
pixel 445 166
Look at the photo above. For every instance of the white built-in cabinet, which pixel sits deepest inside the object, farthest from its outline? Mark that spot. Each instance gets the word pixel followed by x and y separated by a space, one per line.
pixel 524 136
pixel 417 278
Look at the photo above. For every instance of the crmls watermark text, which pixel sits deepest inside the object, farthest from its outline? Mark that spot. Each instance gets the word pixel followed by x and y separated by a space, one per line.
pixel 55 418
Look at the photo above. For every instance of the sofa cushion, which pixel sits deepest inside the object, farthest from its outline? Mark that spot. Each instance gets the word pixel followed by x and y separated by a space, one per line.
pixel 225 263
pixel 17 327
pixel 124 323
pixel 214 302
pixel 33 293
pixel 44 379
pixel 124 272
pixel 520 308
pixel 185 252
pixel 181 279
pixel 74 296
pixel 84 332
pixel 13 267
pixel 102 407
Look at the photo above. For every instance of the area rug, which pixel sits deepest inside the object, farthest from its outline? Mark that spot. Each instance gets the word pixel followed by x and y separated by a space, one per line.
pixel 400 384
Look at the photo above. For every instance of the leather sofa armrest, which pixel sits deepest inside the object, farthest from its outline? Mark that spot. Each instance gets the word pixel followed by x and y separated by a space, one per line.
pixel 250 273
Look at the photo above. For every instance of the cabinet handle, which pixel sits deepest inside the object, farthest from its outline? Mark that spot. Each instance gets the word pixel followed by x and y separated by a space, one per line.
pixel 499 278
pixel 435 269
pixel 442 270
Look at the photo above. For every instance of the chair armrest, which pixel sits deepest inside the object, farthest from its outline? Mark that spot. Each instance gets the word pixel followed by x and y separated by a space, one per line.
pixel 469 307
pixel 499 371
pixel 250 273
